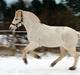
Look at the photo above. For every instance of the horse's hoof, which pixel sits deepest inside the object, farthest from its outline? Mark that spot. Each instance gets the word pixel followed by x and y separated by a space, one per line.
pixel 53 64
pixel 72 68
pixel 25 60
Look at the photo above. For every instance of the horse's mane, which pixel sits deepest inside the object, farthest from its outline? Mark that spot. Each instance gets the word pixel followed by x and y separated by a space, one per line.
pixel 31 15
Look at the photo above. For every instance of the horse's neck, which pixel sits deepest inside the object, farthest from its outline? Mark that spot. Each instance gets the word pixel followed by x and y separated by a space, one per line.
pixel 30 22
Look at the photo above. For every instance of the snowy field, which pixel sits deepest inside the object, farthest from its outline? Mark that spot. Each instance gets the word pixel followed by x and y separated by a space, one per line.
pixel 15 66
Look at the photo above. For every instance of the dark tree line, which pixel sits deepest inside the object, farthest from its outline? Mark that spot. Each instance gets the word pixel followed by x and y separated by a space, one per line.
pixel 3 8
pixel 49 12
pixel 15 6
pixel 36 6
pixel 74 5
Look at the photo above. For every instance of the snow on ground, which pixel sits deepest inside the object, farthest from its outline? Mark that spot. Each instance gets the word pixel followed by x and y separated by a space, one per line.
pixel 15 66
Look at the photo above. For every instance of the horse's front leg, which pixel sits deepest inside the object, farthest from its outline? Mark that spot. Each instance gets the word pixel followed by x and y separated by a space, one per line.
pixel 24 56
pixel 31 46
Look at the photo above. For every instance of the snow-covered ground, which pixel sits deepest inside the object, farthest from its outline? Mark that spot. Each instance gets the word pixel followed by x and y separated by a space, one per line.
pixel 15 66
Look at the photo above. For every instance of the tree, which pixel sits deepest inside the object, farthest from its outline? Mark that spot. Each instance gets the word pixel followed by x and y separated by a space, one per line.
pixel 20 5
pixel 50 4
pixel 74 5
pixel 15 6
pixel 3 6
pixel 36 6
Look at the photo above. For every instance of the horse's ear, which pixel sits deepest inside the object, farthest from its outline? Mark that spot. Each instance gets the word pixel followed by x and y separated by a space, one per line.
pixel 16 14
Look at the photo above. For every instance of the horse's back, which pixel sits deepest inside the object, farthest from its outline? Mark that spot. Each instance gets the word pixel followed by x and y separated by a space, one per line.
pixel 58 36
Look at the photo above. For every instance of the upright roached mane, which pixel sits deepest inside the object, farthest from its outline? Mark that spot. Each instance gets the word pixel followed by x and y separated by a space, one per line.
pixel 48 36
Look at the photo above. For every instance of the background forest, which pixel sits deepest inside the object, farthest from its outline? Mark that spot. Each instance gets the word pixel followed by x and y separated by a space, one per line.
pixel 64 13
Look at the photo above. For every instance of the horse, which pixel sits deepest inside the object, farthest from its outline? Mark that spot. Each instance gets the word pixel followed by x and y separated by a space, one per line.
pixel 40 34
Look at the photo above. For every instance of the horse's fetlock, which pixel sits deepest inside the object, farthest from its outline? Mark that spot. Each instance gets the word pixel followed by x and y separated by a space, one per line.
pixel 37 56
pixel 72 68
pixel 25 60
pixel 53 64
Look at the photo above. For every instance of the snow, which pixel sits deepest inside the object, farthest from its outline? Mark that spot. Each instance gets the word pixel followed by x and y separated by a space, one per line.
pixel 58 1
pixel 15 66
pixel 3 39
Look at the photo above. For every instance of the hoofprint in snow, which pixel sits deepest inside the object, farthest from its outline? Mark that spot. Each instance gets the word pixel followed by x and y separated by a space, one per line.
pixel 15 66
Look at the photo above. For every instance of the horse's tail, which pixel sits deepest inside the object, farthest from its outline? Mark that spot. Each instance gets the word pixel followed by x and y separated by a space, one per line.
pixel 79 38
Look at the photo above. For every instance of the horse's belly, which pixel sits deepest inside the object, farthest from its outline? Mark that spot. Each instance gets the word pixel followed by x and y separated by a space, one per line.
pixel 47 44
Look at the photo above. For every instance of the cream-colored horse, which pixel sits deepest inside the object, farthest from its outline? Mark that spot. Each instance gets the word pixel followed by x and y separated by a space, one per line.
pixel 48 36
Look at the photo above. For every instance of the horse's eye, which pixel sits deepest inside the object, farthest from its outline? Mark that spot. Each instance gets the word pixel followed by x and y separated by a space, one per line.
pixel 16 19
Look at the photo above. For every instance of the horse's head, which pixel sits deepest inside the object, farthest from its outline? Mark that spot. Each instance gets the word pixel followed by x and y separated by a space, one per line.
pixel 17 21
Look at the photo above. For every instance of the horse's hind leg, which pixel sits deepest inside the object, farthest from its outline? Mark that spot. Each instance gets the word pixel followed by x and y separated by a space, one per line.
pixel 62 55
pixel 75 55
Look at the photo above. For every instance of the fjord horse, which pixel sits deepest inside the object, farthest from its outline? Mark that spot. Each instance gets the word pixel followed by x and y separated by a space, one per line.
pixel 48 36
